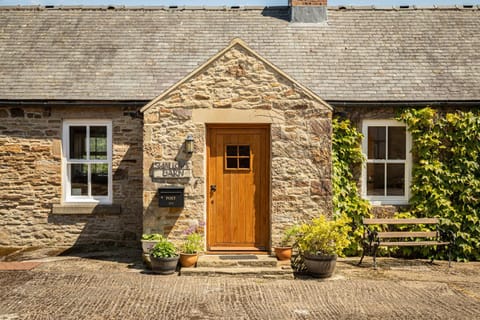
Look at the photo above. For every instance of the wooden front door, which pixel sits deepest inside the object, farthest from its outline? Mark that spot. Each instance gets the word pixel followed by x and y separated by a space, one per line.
pixel 238 185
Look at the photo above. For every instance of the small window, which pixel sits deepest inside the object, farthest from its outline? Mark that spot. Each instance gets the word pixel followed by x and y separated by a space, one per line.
pixel 386 176
pixel 237 157
pixel 87 149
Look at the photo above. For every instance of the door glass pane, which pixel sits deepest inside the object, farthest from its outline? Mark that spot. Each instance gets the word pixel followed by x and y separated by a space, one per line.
pixel 376 179
pixel 232 163
pixel 244 163
pixel 231 150
pixel 79 179
pixel 396 143
pixel 98 143
pixel 100 179
pixel 395 179
pixel 78 148
pixel 376 142
pixel 244 151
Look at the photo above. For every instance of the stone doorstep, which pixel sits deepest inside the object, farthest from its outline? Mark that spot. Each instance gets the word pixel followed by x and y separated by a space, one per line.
pixel 257 266
pixel 254 272
pixel 238 261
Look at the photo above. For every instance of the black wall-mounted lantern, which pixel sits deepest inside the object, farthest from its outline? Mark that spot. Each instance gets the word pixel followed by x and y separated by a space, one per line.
pixel 189 144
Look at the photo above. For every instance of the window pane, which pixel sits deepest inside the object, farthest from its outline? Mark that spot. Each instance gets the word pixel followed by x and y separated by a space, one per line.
pixel 232 163
pixel 99 179
pixel 231 150
pixel 98 143
pixel 79 179
pixel 376 179
pixel 78 148
pixel 244 151
pixel 376 142
pixel 395 179
pixel 396 143
pixel 244 163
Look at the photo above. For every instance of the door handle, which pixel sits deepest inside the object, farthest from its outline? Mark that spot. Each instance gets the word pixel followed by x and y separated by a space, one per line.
pixel 213 188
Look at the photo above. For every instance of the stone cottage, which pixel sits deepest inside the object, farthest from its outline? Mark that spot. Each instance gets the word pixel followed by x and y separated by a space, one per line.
pixel 119 121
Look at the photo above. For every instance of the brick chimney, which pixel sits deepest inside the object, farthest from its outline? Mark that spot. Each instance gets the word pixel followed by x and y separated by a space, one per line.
pixel 308 11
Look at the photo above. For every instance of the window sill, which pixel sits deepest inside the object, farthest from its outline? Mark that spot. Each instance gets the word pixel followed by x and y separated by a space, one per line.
pixel 86 209
pixel 377 203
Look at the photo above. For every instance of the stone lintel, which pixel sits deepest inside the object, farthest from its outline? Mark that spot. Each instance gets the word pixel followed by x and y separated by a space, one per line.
pixel 235 116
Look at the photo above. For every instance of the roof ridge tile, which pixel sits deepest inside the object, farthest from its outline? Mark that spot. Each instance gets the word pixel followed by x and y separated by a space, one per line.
pixel 234 8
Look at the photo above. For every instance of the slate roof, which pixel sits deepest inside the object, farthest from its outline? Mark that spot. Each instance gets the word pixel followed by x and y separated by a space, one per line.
pixel 136 54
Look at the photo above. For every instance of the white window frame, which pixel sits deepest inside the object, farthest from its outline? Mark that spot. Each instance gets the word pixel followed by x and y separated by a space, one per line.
pixel 380 200
pixel 66 183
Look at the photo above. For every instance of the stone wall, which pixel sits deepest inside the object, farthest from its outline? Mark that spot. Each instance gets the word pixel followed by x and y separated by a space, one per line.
pixel 238 83
pixel 31 181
